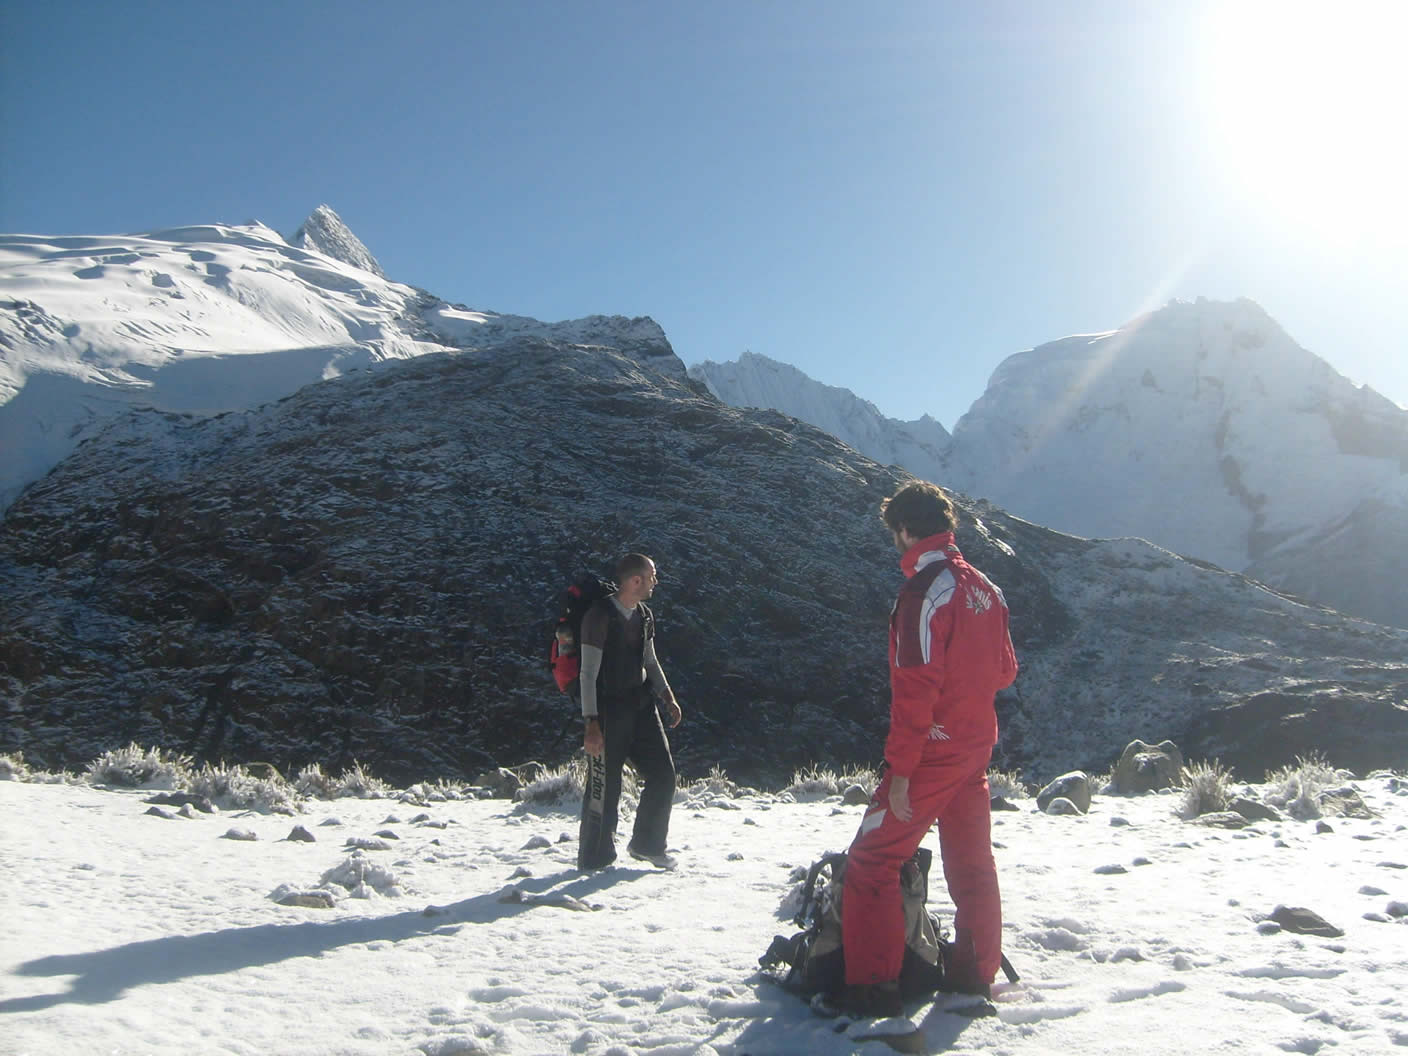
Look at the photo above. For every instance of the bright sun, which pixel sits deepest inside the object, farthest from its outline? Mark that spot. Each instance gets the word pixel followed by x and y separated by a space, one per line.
pixel 1310 112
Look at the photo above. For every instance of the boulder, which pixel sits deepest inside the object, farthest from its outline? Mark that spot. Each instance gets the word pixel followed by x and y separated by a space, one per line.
pixel 1074 786
pixel 367 843
pixel 1344 803
pixel 530 771
pixel 182 799
pixel 502 783
pixel 856 796
pixel 1254 810
pixel 1061 805
pixel 1147 768
pixel 1221 819
pixel 317 899
pixel 1304 921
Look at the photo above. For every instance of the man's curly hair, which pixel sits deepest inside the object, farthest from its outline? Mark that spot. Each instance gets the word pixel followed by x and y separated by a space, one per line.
pixel 923 509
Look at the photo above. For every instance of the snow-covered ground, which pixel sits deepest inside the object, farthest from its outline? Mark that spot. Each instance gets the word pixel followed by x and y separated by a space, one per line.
pixel 128 933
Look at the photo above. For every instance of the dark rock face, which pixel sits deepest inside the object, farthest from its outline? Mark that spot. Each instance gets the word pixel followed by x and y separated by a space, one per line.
pixel 368 571
pixel 1363 729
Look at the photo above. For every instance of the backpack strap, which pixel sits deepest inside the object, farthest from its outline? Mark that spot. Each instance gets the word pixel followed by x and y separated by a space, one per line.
pixel 827 859
pixel 1008 970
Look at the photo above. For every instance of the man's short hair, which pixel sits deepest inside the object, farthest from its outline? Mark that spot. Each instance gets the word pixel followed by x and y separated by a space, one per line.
pixel 632 565
pixel 920 508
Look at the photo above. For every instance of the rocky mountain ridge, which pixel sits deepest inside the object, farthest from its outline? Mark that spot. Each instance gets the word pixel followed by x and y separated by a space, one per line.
pixel 280 508
pixel 367 570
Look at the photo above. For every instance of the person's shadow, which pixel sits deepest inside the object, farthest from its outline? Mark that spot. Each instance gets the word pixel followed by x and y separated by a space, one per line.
pixel 103 975
pixel 787 1025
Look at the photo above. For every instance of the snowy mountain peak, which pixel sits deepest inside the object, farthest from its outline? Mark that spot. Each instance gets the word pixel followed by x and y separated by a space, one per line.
pixel 1202 426
pixel 1206 428
pixel 210 318
pixel 754 380
pixel 325 233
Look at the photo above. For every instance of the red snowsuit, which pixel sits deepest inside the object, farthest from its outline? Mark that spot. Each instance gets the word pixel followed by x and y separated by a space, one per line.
pixel 950 652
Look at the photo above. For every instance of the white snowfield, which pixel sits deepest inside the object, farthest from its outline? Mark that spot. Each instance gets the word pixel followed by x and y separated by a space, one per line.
pixel 127 933
pixel 213 318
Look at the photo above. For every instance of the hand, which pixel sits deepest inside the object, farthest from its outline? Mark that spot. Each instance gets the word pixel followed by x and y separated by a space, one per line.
pixel 593 743
pixel 673 714
pixel 899 799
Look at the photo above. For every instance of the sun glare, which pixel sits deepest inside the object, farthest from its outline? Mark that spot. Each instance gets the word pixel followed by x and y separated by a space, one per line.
pixel 1308 112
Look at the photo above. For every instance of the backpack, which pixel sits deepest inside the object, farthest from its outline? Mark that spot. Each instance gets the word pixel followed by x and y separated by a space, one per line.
pixel 814 958
pixel 563 657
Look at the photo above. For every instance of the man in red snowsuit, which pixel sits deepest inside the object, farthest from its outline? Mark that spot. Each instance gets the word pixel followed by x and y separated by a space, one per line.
pixel 950 652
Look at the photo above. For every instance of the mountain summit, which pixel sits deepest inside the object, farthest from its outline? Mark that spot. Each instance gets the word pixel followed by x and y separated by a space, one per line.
pixel 325 233
pixel 214 318
pixel 757 381
pixel 1202 427
pixel 1207 429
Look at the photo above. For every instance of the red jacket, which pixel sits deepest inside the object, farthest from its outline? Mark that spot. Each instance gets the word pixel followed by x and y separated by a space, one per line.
pixel 950 652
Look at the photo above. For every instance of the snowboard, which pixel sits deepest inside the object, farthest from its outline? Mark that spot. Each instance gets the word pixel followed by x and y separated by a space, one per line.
pixel 591 840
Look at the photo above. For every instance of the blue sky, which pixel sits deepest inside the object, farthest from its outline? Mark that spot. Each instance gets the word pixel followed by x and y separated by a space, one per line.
pixel 893 197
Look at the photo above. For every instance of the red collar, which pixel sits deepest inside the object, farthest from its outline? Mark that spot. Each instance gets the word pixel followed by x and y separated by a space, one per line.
pixel 914 558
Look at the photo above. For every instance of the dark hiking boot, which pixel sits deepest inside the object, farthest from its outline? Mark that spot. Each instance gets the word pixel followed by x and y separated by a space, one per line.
pixel 659 859
pixel 881 1000
pixel 974 989
pixel 961 967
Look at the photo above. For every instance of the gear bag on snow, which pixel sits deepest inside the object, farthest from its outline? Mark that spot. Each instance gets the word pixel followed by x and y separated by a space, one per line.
pixel 814 959
pixel 563 656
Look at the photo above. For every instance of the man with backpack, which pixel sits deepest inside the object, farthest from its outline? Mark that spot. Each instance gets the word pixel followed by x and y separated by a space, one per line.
pixel 620 680
pixel 950 652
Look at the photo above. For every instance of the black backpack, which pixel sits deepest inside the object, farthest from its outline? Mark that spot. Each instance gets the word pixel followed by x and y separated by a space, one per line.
pixel 563 655
pixel 814 959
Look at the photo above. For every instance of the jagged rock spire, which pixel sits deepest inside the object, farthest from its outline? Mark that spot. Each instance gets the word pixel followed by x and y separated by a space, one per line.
pixel 325 233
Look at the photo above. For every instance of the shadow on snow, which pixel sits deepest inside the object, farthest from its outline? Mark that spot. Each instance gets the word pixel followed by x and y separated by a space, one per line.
pixel 103 975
